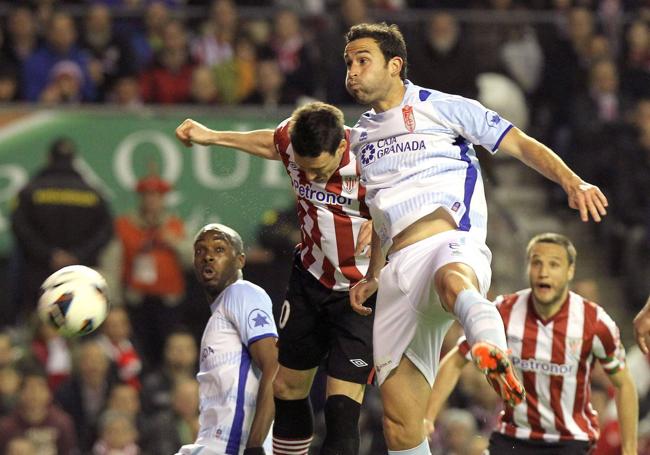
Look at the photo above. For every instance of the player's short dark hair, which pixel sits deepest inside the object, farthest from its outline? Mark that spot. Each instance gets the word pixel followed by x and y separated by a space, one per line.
pixel 389 38
pixel 316 127
pixel 557 239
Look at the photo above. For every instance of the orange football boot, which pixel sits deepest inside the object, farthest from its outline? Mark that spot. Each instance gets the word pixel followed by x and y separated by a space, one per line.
pixel 496 367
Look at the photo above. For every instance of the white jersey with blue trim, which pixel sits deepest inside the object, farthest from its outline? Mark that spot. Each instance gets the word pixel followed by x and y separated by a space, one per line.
pixel 418 157
pixel 228 379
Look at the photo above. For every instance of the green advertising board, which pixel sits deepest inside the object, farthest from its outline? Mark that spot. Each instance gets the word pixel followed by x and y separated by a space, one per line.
pixel 116 148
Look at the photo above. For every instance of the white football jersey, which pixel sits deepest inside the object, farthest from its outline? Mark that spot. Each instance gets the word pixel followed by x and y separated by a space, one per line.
pixel 228 379
pixel 418 157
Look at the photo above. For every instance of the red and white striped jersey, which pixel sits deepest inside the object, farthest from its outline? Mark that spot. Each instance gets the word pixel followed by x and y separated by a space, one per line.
pixel 330 216
pixel 554 358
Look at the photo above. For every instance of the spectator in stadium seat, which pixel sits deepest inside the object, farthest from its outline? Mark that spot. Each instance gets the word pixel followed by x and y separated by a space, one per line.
pixel 20 42
pixel 117 435
pixel 168 79
pixel 60 46
pixel 269 91
pixel 111 53
pixel 147 40
pixel 84 395
pixel 179 364
pixel 216 41
pixel 177 425
pixel 153 259
pixel 204 88
pixel 295 55
pixel 36 418
pixel 115 338
pixel 443 46
pixel 554 336
pixel 59 219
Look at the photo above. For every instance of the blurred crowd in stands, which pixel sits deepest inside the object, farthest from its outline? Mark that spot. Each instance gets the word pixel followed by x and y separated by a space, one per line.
pixel 581 69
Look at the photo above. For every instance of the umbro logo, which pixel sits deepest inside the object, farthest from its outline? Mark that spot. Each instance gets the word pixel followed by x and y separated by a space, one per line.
pixel 359 363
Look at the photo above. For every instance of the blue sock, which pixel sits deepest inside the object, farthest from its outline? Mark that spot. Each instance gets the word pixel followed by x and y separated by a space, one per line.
pixel 480 319
pixel 422 449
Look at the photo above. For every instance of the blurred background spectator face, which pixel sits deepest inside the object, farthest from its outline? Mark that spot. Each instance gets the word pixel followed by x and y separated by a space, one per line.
pixel 180 351
pixel 185 399
pixel 156 17
pixel 98 25
pixel 21 25
pixel 269 77
pixel 61 34
pixel 125 399
pixel 604 77
pixel 223 14
pixel 117 326
pixel 443 32
pixel 127 92
pixel 204 87
pixel 354 11
pixel 34 398
pixel 581 25
pixel 117 431
pixel 93 364
pixel 174 37
pixel 20 446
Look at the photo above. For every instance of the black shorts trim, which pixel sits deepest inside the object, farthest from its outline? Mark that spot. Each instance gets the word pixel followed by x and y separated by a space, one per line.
pixel 501 444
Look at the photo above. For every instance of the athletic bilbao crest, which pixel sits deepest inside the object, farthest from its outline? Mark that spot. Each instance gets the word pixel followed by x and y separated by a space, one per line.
pixel 409 118
pixel 349 184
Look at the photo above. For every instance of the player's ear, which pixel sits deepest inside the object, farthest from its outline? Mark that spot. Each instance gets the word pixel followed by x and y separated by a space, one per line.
pixel 395 65
pixel 342 146
pixel 572 271
pixel 241 261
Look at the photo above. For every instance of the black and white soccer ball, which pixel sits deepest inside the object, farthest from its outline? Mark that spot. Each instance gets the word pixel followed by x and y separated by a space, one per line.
pixel 74 300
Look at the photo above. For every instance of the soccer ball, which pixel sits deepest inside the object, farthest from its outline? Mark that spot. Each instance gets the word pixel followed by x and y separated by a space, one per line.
pixel 74 300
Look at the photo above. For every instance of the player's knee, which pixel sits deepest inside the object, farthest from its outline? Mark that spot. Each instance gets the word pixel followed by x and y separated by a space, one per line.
pixel 289 390
pixel 402 434
pixel 450 280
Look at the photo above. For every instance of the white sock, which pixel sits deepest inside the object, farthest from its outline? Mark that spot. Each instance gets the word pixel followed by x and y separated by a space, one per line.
pixel 480 319
pixel 422 449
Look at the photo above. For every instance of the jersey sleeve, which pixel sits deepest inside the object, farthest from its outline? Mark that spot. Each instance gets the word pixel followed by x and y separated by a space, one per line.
pixel 473 121
pixel 281 140
pixel 250 310
pixel 607 346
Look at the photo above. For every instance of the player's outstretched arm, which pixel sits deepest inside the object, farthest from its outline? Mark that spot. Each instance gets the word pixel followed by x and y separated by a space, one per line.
pixel 369 284
pixel 642 327
pixel 257 143
pixel 584 197
pixel 446 379
pixel 265 355
pixel 627 407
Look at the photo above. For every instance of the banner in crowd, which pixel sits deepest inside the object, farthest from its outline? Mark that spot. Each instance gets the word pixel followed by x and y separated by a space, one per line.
pixel 117 148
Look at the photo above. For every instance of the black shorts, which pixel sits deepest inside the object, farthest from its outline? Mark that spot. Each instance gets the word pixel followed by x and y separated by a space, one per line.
pixel 500 444
pixel 315 323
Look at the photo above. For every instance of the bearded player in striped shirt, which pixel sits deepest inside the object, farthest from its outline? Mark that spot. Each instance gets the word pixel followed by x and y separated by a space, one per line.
pixel 316 320
pixel 555 336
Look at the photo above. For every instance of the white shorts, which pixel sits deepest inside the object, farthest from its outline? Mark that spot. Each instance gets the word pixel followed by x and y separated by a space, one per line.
pixel 196 449
pixel 409 319
pixel 204 446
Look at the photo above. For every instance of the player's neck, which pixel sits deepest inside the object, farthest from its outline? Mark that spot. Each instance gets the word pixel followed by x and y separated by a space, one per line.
pixel 393 98
pixel 547 311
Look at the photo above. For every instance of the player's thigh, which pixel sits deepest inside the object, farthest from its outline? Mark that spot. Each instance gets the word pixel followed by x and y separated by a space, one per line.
pixel 351 390
pixel 302 342
pixel 290 384
pixel 350 357
pixel 405 394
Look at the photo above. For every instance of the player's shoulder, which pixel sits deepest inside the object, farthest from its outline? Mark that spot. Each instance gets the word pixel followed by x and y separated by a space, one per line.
pixel 508 300
pixel 244 288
